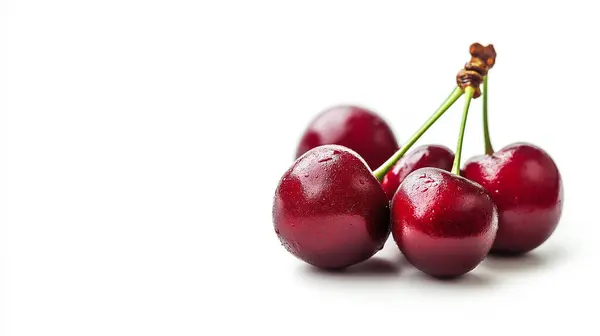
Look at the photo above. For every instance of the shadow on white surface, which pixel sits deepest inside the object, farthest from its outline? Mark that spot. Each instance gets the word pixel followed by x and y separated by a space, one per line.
pixel 375 267
pixel 393 267
pixel 472 279
pixel 532 261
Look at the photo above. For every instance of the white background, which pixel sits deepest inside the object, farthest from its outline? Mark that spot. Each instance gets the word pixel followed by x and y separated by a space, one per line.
pixel 141 143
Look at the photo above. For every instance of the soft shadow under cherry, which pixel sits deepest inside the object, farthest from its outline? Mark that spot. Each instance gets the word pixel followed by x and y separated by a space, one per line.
pixel 373 267
pixel 523 262
pixel 469 280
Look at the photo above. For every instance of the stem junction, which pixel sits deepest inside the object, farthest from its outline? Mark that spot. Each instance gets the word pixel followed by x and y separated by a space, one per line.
pixel 468 81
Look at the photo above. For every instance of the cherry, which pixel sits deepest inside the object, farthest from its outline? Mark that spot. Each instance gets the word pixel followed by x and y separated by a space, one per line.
pixel 443 223
pixel 354 127
pixel 423 156
pixel 329 210
pixel 526 186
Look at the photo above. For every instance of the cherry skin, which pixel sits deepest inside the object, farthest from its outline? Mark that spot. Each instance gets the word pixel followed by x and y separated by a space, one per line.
pixel 354 127
pixel 423 156
pixel 329 210
pixel 443 223
pixel 527 188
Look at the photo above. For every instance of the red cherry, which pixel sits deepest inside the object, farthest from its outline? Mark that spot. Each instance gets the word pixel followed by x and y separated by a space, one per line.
pixel 354 127
pixel 329 210
pixel 527 188
pixel 424 156
pixel 443 223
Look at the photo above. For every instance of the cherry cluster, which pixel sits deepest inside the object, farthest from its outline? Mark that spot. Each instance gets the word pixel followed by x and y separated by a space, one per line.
pixel 352 184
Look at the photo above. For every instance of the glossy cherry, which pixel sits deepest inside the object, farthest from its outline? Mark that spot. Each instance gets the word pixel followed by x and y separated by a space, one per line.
pixel 354 127
pixel 526 186
pixel 423 156
pixel 443 223
pixel 329 210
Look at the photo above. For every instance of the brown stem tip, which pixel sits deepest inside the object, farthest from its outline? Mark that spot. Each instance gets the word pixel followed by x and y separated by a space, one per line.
pixel 482 60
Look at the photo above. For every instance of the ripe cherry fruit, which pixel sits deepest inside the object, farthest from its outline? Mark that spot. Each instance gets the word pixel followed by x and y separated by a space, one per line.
pixel 354 127
pixel 526 186
pixel 329 210
pixel 423 156
pixel 443 223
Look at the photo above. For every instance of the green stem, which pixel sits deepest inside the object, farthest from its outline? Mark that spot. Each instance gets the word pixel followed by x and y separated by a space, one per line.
pixel 469 91
pixel 387 165
pixel 486 130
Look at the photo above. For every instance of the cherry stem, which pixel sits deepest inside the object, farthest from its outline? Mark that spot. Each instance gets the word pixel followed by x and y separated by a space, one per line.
pixel 486 130
pixel 387 165
pixel 469 91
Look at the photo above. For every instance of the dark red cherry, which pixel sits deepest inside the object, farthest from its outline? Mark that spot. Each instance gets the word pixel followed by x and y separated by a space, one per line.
pixel 329 210
pixel 443 223
pixel 354 127
pixel 436 156
pixel 526 186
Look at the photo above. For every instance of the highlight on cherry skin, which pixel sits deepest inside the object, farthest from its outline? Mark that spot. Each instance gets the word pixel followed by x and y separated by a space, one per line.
pixel 437 156
pixel 526 186
pixel 443 223
pixel 355 127
pixel 329 210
